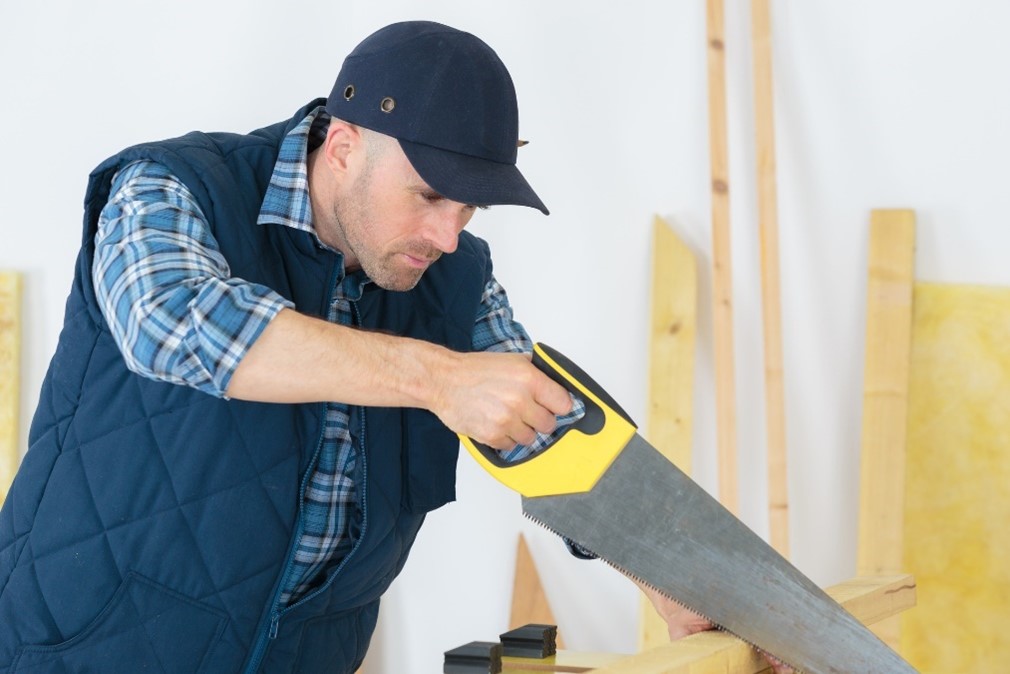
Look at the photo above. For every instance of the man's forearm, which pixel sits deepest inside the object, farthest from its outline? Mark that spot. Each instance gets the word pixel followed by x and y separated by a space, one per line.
pixel 298 358
pixel 497 398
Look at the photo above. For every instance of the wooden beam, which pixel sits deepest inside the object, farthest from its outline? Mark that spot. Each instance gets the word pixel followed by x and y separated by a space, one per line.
pixel 529 601
pixel 671 372
pixel 768 222
pixel 885 398
pixel 722 283
pixel 563 661
pixel 10 375
pixel 868 599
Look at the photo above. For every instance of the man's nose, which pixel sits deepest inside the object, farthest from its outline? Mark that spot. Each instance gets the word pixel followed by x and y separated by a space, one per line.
pixel 444 230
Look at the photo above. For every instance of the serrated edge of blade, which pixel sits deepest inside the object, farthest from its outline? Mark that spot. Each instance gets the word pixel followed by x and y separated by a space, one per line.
pixel 677 601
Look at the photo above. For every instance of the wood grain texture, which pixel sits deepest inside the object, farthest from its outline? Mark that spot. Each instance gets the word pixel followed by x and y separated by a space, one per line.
pixel 885 398
pixel 771 304
pixel 671 372
pixel 10 376
pixel 529 601
pixel 722 278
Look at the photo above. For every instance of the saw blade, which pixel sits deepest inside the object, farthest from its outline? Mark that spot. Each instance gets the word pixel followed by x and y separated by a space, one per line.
pixel 651 521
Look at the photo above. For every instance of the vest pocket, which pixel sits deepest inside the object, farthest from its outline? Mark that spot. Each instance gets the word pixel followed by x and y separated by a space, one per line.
pixel 144 627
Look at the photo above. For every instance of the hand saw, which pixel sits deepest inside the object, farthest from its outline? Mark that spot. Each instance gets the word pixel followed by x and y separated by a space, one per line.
pixel 603 486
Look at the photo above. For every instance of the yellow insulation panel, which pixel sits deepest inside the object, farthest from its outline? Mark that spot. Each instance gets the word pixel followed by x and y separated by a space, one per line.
pixel 957 509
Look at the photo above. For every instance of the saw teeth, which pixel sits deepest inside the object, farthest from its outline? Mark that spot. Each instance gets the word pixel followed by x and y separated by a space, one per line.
pixel 660 591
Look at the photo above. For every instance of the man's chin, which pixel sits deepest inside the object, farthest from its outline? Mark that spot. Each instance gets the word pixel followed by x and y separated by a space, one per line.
pixel 401 281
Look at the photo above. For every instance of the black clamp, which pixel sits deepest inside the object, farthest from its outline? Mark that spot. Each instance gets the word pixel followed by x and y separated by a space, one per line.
pixel 476 657
pixel 531 641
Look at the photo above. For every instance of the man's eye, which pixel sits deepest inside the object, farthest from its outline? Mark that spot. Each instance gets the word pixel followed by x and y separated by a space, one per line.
pixel 432 197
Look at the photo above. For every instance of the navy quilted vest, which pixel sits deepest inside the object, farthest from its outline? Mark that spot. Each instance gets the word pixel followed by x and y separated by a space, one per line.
pixel 149 525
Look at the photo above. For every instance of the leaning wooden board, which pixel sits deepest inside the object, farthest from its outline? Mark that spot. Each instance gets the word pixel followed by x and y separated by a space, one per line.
pixel 891 262
pixel 10 375
pixel 671 371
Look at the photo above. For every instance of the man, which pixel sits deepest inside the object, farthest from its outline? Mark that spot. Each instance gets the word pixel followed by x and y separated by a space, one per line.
pixel 270 344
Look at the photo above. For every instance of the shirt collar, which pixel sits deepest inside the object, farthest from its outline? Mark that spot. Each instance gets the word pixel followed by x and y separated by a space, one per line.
pixel 287 200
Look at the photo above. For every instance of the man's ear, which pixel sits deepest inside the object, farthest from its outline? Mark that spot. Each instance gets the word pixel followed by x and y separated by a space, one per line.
pixel 343 148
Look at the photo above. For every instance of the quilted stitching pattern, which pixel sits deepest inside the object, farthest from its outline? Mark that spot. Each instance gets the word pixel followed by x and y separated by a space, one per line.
pixel 174 510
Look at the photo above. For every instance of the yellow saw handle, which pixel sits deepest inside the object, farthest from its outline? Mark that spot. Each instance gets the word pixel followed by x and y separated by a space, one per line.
pixel 581 454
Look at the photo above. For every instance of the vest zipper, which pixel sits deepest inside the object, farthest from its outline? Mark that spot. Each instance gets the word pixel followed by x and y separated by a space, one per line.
pixel 276 616
pixel 364 502
pixel 259 650
pixel 275 621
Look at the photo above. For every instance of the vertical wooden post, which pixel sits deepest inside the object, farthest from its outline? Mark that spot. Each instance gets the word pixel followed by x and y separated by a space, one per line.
pixel 10 374
pixel 671 371
pixel 885 398
pixel 722 284
pixel 775 416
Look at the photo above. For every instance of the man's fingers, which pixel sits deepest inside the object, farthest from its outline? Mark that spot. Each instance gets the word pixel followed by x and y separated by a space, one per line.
pixel 540 419
pixel 554 397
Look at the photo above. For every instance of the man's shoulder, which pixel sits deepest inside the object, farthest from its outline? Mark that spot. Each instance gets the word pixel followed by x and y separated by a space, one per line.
pixel 213 146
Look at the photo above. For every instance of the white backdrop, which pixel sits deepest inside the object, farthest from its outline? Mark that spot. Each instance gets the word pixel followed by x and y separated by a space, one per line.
pixel 879 103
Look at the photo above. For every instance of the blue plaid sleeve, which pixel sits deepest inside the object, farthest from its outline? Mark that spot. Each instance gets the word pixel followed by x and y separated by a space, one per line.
pixel 497 330
pixel 165 289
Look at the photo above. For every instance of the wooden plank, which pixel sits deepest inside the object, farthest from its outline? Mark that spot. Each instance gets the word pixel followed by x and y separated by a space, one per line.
pixel 671 372
pixel 10 376
pixel 885 398
pixel 529 601
pixel 868 599
pixel 563 661
pixel 671 345
pixel 958 467
pixel 722 282
pixel 768 222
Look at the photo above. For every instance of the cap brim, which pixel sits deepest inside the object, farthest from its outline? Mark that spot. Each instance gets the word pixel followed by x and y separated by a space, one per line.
pixel 471 180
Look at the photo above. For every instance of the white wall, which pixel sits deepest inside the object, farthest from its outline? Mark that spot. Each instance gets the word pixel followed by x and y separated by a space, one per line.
pixel 879 103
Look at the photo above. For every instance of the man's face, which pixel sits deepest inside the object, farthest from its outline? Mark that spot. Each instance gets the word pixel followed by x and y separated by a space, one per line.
pixel 390 223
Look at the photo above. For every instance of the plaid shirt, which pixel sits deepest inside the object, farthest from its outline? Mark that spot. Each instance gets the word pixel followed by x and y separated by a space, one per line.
pixel 178 315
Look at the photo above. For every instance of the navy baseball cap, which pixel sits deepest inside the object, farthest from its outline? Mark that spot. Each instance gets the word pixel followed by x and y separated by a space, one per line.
pixel 447 98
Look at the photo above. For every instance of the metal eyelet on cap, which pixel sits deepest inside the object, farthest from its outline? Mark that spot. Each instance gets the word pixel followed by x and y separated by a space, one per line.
pixel 387 104
pixel 348 92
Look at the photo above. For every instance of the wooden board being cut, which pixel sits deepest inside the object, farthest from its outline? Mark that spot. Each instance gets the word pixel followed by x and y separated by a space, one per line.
pixel 957 503
pixel 721 653
pixel 868 599
pixel 10 376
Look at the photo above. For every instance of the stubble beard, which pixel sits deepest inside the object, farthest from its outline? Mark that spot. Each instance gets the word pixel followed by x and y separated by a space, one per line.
pixel 353 219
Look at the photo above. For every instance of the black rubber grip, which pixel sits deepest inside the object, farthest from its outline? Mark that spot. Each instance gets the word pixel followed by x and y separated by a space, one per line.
pixel 590 423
